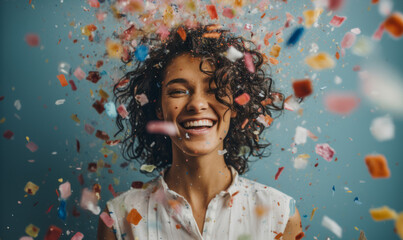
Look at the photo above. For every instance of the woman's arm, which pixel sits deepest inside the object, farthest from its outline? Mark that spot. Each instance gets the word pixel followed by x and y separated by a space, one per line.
pixel 104 233
pixel 294 227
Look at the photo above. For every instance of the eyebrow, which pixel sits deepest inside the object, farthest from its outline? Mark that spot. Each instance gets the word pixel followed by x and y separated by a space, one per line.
pixel 182 80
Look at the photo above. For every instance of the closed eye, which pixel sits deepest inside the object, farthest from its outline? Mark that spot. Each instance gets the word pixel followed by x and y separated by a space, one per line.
pixel 178 92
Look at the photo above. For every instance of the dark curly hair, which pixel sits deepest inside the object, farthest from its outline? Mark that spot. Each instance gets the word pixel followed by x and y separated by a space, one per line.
pixel 210 43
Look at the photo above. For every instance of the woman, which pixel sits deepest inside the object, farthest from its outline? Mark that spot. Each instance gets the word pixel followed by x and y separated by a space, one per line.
pixel 211 86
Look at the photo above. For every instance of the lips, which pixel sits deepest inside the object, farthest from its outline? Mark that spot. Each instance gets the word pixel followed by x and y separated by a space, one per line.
pixel 199 126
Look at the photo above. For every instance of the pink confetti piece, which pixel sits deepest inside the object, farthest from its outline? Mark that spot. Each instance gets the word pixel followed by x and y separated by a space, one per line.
pixel 229 13
pixel 379 32
pixel 32 39
pixel 341 103
pixel 161 127
pixel 348 40
pixel 8 134
pixel 107 219
pixel 89 201
pixel 337 21
pixel 142 99
pixel 163 31
pixel 242 99
pixel 79 73
pixel 122 111
pixel 32 146
pixel 279 171
pixel 101 16
pixel 325 151
pixel 94 3
pixel 77 236
pixel 249 62
pixel 335 5
pixel 65 190
pixel 26 238
pixel 89 129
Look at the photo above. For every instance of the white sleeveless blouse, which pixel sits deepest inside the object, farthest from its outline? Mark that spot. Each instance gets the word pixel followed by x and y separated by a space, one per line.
pixel 246 210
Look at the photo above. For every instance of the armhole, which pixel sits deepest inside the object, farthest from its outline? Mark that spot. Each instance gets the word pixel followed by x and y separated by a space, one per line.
pixel 114 216
pixel 288 210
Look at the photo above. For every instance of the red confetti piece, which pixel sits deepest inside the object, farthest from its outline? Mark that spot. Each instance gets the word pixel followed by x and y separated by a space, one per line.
pixel 300 236
pixel 8 134
pixel 229 13
pixel 32 146
pixel 379 32
pixel 50 208
pixel 94 3
pixel 302 88
pixel 112 142
pixel 57 193
pixel 77 236
pixel 325 151
pixel 81 179
pixel 92 167
pixel 335 5
pixel 53 233
pixel 93 76
pixel 122 111
pixel 212 11
pixel 1 98
pixel 88 128
pixel 182 33
pixel 32 39
pixel 337 21
pixel 377 166
pixel 162 127
pixel 242 99
pixel 62 80
pixel 341 103
pixel 73 85
pixel 394 25
pixel 99 106
pixel 137 184
pixel 102 135
pixel 280 169
pixel 134 217
pixel 107 219
pixel 110 188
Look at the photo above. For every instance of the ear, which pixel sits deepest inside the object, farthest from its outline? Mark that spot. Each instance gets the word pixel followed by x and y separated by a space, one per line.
pixel 158 111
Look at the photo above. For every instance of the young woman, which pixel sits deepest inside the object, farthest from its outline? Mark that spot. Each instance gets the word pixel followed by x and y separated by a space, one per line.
pixel 212 87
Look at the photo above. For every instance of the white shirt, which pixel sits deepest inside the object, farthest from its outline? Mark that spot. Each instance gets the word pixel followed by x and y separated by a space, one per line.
pixel 246 209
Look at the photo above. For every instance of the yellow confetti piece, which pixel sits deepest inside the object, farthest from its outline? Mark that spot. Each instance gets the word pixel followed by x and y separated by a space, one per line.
pixel 91 93
pixel 114 49
pixel 313 213
pixel 60 180
pixel 27 138
pixel 349 191
pixel 32 230
pixel 382 213
pixel 311 16
pixel 31 188
pixel 275 51
pixel 103 94
pixel 399 225
pixel 356 228
pixel 320 61
pixel 75 118
pixel 147 168
pixel 116 181
pixel 3 120
pixel 114 158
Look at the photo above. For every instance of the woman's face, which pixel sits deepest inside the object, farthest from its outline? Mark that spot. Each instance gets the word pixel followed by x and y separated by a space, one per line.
pixel 188 102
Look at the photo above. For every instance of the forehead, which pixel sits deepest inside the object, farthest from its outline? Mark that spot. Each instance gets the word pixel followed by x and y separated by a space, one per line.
pixel 186 65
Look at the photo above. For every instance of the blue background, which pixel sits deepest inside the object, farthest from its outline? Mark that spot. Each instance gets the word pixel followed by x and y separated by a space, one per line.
pixel 29 74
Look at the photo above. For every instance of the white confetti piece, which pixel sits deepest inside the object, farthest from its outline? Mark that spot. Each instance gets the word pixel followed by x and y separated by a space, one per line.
pixel 382 128
pixel 332 226
pixel 60 101
pixel 301 135
pixel 233 54
pixel 147 168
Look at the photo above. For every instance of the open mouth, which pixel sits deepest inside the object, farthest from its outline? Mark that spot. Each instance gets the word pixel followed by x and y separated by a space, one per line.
pixel 198 124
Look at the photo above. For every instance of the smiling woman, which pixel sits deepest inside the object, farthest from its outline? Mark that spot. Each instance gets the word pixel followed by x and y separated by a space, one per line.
pixel 212 87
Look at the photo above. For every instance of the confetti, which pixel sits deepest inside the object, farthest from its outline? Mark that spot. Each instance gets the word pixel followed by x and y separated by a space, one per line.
pixel 342 103
pixel 147 168
pixel 302 88
pixel 394 25
pixel 53 233
pixel 325 151
pixel 107 219
pixel 399 225
pixel 134 217
pixel 320 61
pixel 363 47
pixel 382 128
pixel 8 134
pixel 79 73
pixel 62 80
pixel 32 230
pixel 301 161
pixel 279 171
pixel 301 135
pixel 382 213
pixel 249 62
pixel 161 127
pixel 311 16
pixel 295 36
pixel 242 99
pixel 89 201
pixel 78 236
pixel 233 54
pixel 331 225
pixel 65 190
pixel 275 50
pixel 93 76
pixel 141 53
pixel 228 13
pixel 88 128
pixel 348 40
pixel 32 146
pixel 110 110
pixel 122 111
pixel 32 39
pixel 337 21
pixel 266 120
pixel 335 5
pixel 212 11
pixel 142 99
pixel 60 101
pixel 377 166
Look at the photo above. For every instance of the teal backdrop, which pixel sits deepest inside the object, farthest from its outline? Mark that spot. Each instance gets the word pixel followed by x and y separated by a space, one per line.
pixel 28 74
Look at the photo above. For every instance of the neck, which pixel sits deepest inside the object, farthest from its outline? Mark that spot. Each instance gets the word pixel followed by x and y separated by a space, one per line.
pixel 198 178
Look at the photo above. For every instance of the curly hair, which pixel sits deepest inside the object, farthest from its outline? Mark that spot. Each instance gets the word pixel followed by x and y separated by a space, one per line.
pixel 209 43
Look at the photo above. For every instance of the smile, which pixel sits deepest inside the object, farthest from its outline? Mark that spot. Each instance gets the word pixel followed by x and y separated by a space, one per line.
pixel 198 126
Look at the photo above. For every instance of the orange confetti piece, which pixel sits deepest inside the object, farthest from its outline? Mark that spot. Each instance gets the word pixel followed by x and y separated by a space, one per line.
pixel 213 27
pixel 238 3
pixel 337 55
pixel 212 11
pixel 178 226
pixel 134 217
pixel 62 80
pixel 275 51
pixel 278 236
pixel 374 1
pixel 182 33
pixel 242 99
pixel 377 166
pixel 212 35
pixel 273 61
pixel 313 213
pixel 394 25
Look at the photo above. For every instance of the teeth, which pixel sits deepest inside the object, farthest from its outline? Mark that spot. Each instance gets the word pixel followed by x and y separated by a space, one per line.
pixel 199 123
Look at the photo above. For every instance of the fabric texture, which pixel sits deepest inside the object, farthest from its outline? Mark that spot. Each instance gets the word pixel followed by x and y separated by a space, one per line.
pixel 246 209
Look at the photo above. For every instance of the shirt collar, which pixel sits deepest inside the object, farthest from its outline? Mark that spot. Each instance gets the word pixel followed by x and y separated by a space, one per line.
pixel 231 190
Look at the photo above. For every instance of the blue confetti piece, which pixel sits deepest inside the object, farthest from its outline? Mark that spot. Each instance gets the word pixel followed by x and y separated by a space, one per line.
pixel 295 36
pixel 61 211
pixel 103 73
pixel 292 207
pixel 305 216
pixel 110 109
pixel 356 201
pixel 141 52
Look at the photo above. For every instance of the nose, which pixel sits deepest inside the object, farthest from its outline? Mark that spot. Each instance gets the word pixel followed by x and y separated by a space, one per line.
pixel 198 102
